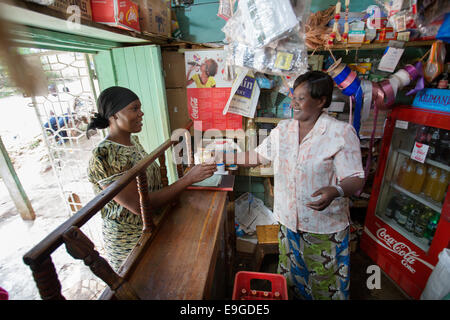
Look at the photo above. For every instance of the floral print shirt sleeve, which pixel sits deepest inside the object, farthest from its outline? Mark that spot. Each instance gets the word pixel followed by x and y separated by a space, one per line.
pixel 348 156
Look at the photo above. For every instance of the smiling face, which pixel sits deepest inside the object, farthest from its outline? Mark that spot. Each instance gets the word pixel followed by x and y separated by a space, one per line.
pixel 129 119
pixel 304 106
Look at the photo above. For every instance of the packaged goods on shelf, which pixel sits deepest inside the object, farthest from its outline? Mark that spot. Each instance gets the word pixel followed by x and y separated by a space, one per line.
pixel 266 37
pixel 123 14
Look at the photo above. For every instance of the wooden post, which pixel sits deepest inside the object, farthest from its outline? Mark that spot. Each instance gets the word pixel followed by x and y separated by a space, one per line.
pixel 80 247
pixel 190 160
pixel 146 213
pixel 15 189
pixel 163 169
pixel 180 166
pixel 46 279
pixel 180 170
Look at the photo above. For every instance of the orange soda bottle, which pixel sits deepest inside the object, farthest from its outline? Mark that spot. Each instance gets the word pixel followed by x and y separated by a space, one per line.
pixel 433 174
pixel 440 188
pixel 401 173
pixel 418 179
pixel 406 176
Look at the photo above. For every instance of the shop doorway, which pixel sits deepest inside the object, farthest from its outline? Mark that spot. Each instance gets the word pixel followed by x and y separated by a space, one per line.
pixel 45 139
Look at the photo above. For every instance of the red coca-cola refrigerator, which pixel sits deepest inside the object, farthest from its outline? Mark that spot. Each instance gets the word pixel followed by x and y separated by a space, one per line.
pixel 408 218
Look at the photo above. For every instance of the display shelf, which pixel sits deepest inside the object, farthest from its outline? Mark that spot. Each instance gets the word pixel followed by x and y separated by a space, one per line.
pixel 251 173
pixel 359 203
pixel 30 14
pixel 419 197
pixel 422 243
pixel 373 46
pixel 428 161
pixel 268 120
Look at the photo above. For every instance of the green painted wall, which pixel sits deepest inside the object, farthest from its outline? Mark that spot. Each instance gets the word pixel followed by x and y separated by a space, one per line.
pixel 140 69
pixel 200 23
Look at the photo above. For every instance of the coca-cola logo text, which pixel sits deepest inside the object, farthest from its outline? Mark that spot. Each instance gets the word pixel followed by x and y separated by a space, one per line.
pixel 194 106
pixel 409 256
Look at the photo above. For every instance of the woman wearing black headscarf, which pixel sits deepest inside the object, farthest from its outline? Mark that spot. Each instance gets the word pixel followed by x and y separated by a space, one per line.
pixel 119 110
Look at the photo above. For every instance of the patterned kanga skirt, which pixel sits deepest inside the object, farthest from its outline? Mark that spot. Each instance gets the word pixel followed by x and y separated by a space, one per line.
pixel 316 266
pixel 119 240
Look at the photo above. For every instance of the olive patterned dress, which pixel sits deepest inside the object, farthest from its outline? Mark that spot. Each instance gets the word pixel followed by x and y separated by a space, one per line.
pixel 121 228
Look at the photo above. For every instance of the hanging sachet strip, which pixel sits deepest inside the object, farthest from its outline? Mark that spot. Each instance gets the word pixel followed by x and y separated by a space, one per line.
pixel 377 100
pixel 358 107
pixel 366 87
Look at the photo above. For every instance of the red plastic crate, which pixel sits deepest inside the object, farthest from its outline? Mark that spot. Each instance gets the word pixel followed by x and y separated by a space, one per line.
pixel 243 291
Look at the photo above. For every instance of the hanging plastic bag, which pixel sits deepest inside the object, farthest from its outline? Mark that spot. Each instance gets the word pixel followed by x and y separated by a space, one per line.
pixel 287 59
pixel 268 46
pixel 438 284
pixel 261 22
pixel 226 9
pixel 435 64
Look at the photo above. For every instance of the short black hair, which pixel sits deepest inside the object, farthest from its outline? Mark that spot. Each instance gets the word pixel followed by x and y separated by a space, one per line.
pixel 320 85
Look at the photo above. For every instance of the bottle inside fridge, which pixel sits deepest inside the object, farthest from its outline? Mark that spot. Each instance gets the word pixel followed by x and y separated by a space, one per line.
pixel 414 187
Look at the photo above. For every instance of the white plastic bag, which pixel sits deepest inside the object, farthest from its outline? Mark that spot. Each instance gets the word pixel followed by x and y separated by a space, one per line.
pixel 438 284
pixel 265 21
pixel 267 36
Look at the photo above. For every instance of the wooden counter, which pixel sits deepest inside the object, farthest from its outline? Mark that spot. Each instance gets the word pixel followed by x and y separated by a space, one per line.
pixel 181 260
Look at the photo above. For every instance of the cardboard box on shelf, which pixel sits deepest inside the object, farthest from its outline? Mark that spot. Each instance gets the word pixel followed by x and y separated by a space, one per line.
pixel 174 67
pixel 267 234
pixel 83 5
pixel 122 14
pixel 356 36
pixel 385 35
pixel 155 17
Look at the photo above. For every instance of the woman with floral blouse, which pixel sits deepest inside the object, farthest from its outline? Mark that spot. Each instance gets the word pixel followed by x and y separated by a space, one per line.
pixel 317 165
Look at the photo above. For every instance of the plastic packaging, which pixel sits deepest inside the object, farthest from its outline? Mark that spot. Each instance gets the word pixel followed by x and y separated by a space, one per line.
pixel 264 82
pixel 261 21
pixel 288 58
pixel 435 64
pixel 226 9
pixel 429 12
pixel 268 37
pixel 376 19
pixel 438 284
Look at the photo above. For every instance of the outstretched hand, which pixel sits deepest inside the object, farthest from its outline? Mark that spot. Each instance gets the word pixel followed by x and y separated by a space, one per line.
pixel 327 194
pixel 200 172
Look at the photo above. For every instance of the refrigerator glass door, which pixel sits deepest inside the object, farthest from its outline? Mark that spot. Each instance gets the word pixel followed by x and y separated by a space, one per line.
pixel 415 181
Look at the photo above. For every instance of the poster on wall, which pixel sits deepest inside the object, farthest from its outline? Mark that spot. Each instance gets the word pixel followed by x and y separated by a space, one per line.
pixel 244 95
pixel 208 91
